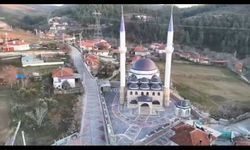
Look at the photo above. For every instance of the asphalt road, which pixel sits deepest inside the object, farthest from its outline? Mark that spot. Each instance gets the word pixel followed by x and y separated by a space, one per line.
pixel 92 125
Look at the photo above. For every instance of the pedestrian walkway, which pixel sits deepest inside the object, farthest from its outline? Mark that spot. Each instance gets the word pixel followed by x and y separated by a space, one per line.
pixel 92 126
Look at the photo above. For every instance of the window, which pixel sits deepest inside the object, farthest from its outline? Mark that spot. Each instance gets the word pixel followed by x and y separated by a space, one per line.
pixel 131 93
pixel 159 93
pixel 153 93
pixel 147 94
pixel 136 93
pixel 142 93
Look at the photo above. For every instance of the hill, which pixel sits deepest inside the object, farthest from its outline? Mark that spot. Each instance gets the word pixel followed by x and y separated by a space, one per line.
pixel 28 17
pixel 32 9
pixel 222 28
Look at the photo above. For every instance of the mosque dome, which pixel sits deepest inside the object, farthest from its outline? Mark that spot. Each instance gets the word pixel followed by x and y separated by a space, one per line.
pixel 144 86
pixel 183 104
pixel 133 79
pixel 155 87
pixel 144 80
pixel 144 64
pixel 133 86
pixel 155 79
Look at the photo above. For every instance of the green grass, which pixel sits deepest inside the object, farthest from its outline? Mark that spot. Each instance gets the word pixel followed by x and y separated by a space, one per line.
pixel 210 87
pixel 13 62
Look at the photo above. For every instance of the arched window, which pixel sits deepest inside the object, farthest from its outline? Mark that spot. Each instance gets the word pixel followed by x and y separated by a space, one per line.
pixel 159 93
pixel 136 93
pixel 156 102
pixel 147 94
pixel 142 93
pixel 153 93
pixel 131 93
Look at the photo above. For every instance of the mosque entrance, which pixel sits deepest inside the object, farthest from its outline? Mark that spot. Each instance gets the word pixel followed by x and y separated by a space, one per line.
pixel 144 109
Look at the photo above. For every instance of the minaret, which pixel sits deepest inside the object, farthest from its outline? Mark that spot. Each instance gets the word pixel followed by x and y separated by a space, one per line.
pixel 169 50
pixel 122 50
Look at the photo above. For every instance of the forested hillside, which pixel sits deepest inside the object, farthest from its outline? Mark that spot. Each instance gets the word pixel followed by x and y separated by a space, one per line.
pixel 223 28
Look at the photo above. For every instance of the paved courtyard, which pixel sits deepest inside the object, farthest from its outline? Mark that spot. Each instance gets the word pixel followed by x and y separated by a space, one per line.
pixel 129 127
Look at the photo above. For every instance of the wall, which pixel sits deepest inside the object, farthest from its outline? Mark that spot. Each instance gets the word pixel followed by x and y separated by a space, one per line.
pixel 56 83
pixel 44 64
pixel 154 97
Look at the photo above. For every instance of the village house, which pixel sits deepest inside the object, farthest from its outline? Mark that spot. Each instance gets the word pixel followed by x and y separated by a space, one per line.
pixel 219 62
pixel 92 61
pixel 104 53
pixel 239 66
pixel 61 76
pixel 87 44
pixel 161 49
pixel 204 60
pixel 194 57
pixel 141 51
pixel 187 135
pixel 103 45
pixel 15 46
pixel 154 46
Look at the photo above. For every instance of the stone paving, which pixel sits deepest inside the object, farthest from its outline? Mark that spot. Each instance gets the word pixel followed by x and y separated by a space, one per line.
pixel 129 126
pixel 92 126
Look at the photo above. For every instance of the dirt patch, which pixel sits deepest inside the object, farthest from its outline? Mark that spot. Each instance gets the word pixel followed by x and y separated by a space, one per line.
pixel 8 73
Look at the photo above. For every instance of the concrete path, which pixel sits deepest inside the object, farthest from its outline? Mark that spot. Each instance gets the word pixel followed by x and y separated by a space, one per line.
pixel 92 126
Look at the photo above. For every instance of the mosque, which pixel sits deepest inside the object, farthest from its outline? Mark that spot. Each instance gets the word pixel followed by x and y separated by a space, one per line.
pixel 143 89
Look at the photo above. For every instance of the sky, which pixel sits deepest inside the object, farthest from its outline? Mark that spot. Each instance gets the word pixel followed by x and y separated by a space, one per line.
pixel 178 5
pixel 185 5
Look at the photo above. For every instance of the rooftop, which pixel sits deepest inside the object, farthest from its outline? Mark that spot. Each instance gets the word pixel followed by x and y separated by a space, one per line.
pixel 144 64
pixel 188 135
pixel 63 72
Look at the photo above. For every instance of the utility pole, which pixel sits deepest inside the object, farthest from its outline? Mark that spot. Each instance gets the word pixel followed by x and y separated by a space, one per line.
pixel 24 142
pixel 97 26
pixel 14 138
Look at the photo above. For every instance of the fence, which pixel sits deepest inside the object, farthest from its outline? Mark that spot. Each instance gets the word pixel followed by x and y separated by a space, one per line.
pixel 69 91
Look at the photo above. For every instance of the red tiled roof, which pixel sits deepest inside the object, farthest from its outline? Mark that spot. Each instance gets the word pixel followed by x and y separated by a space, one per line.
pixel 92 59
pixel 188 135
pixel 63 72
pixel 139 49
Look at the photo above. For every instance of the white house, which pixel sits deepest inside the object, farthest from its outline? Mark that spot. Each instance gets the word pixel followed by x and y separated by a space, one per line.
pixel 63 75
pixel 141 51
pixel 19 45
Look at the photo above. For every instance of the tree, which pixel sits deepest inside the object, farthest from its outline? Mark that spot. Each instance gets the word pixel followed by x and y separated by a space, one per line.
pixel 66 85
pixel 187 39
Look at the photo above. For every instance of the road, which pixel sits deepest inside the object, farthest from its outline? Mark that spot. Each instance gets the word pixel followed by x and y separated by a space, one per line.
pixel 92 125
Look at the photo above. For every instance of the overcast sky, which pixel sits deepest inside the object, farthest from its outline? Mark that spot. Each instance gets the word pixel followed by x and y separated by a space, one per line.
pixel 178 5
pixel 186 5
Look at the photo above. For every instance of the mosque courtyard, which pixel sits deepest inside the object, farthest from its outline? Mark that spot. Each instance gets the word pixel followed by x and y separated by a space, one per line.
pixel 131 128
